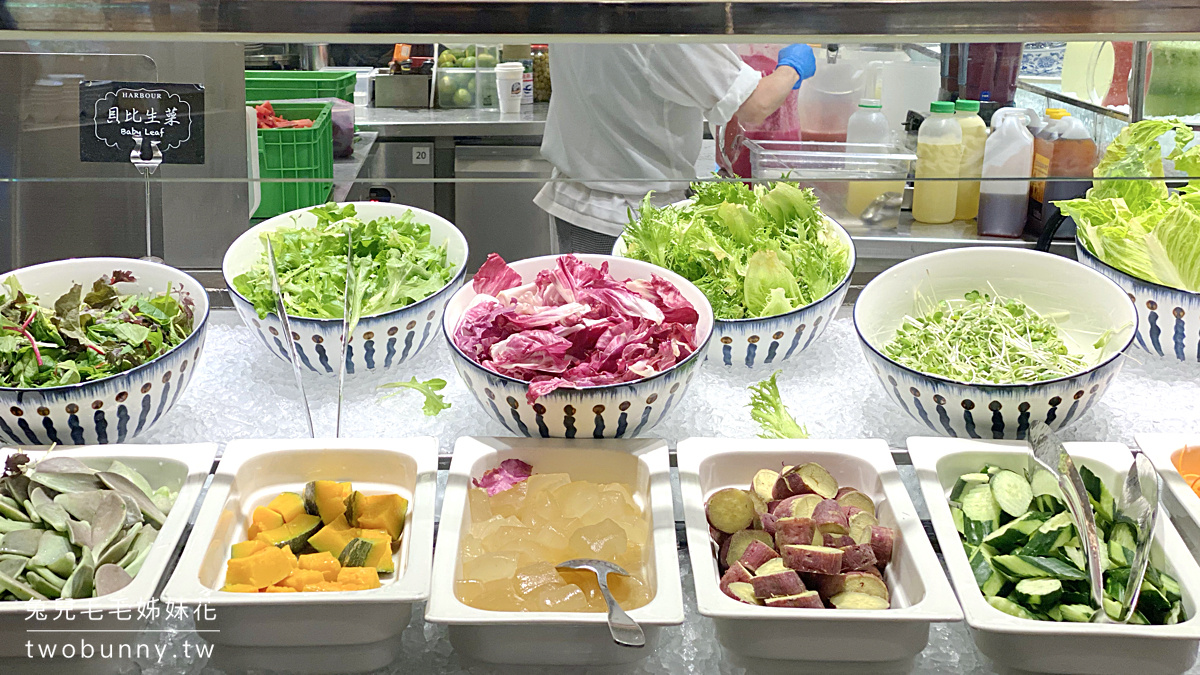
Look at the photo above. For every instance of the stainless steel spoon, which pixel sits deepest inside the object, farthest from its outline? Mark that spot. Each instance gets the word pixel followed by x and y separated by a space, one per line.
pixel 1048 453
pixel 625 630
pixel 1138 506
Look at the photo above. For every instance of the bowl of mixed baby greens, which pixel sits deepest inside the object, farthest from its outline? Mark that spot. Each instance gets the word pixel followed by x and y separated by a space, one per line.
pixel 1145 237
pixel 773 266
pixel 407 264
pixel 980 342
pixel 95 350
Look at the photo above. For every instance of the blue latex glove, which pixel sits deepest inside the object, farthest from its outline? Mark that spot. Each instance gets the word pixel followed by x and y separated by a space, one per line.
pixel 800 59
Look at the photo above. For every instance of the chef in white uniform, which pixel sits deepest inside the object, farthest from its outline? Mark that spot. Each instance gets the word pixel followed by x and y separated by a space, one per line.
pixel 627 119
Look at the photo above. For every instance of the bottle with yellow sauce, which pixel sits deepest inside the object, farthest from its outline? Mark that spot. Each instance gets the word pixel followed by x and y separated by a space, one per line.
pixel 974 136
pixel 868 131
pixel 939 151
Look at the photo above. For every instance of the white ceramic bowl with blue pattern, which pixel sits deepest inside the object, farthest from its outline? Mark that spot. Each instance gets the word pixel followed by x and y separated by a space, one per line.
pixel 768 342
pixel 380 341
pixel 1090 303
pixel 114 409
pixel 1161 309
pixel 621 410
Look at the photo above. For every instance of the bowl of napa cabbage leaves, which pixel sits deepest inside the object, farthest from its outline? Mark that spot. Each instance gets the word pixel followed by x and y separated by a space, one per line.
pixel 1145 236
pixel 773 266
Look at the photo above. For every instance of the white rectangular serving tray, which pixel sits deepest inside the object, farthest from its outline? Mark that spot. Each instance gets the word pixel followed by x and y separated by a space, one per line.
pixel 250 474
pixel 558 638
pixel 889 638
pixel 1049 646
pixel 182 468
pixel 1181 501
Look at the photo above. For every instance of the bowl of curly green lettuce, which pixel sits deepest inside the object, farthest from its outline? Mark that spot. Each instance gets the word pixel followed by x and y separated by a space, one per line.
pixel 95 350
pixel 407 264
pixel 773 266
pixel 1145 237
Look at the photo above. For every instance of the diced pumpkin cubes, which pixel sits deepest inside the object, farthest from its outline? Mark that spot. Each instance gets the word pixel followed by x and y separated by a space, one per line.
pixel 266 518
pixel 244 549
pixel 332 538
pixel 353 534
pixel 322 562
pixel 298 579
pixel 265 568
pixel 294 534
pixel 380 512
pixel 287 504
pixel 358 578
pixel 326 498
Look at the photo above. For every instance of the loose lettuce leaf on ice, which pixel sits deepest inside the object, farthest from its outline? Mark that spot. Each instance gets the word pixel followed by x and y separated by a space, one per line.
pixel 434 402
pixel 767 408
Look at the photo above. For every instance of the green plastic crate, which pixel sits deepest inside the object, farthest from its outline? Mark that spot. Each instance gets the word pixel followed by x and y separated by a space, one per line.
pixel 271 85
pixel 296 153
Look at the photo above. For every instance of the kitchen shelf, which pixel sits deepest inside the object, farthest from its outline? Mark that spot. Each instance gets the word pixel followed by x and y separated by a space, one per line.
pixel 352 20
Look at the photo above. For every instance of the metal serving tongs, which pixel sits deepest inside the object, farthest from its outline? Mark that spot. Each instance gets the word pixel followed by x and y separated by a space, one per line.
pixel 1047 453
pixel 281 311
pixel 1137 505
pixel 349 322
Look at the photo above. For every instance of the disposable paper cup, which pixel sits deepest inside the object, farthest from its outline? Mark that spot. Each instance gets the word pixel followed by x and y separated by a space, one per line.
pixel 508 86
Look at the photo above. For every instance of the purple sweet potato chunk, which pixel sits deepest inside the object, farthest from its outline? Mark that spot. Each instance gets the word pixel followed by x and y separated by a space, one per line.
pixel 756 554
pixel 781 490
pixel 778 584
pixel 837 540
pixel 768 523
pixel 817 559
pixel 831 517
pixel 807 599
pixel 783 508
pixel 857 557
pixel 843 490
pixel 857 582
pixel 883 539
pixel 736 573
pixel 794 531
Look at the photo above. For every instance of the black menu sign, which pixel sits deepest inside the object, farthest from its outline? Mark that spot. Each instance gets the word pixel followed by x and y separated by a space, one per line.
pixel 117 118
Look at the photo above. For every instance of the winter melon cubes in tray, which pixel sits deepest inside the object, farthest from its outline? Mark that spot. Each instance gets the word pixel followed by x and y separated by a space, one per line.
pixel 330 538
pixel 798 539
pixel 522 524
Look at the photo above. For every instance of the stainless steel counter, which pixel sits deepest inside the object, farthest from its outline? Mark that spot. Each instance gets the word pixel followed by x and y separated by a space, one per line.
pixel 455 122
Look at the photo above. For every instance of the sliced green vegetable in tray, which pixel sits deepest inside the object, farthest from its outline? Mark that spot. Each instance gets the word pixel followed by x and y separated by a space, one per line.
pixel 1026 557
pixel 79 532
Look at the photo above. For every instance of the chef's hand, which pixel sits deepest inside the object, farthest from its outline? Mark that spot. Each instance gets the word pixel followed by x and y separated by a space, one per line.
pixel 800 59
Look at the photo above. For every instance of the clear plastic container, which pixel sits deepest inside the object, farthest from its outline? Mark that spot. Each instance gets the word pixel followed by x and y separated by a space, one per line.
pixel 541 73
pixel 781 125
pixel 829 98
pixel 869 126
pixel 465 76
pixel 975 134
pixel 939 151
pixel 1008 153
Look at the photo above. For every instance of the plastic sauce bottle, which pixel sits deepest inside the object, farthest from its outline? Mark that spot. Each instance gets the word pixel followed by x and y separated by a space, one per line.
pixel 939 151
pixel 868 125
pixel 975 134
pixel 1008 153
pixel 1043 152
pixel 1073 156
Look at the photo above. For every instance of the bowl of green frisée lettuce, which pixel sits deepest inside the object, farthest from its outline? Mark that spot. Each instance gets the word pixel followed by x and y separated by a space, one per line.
pixel 773 266
pixel 407 262
pixel 1145 236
